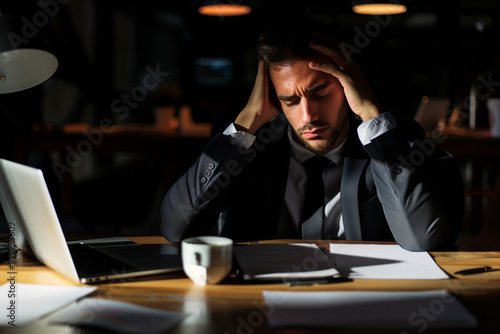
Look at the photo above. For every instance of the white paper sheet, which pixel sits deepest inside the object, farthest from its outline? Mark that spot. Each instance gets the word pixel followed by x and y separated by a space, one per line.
pixel 117 316
pixel 403 310
pixel 371 261
pixel 26 303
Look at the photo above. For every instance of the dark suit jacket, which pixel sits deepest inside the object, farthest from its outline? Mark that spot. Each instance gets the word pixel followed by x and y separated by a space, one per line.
pixel 389 190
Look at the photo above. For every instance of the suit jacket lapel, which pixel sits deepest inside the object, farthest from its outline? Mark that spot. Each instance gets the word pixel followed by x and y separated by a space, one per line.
pixel 354 165
pixel 353 168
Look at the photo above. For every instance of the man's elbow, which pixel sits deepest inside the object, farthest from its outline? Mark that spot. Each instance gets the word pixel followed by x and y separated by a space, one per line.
pixel 441 233
pixel 170 223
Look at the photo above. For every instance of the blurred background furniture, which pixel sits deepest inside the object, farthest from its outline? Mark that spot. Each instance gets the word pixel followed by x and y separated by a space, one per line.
pixel 160 69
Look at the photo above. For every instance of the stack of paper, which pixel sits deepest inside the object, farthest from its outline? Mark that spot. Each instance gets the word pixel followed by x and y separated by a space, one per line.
pixel 407 310
pixel 285 263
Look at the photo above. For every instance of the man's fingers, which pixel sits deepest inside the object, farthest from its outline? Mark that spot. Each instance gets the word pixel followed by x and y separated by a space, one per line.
pixel 261 71
pixel 332 69
pixel 333 51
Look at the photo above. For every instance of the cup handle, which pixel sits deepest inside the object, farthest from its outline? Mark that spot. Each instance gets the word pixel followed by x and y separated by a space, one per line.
pixel 197 258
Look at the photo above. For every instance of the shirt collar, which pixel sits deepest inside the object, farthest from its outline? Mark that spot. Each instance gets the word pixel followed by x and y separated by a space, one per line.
pixel 301 154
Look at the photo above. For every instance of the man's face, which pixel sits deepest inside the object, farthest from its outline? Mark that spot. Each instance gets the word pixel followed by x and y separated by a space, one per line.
pixel 314 104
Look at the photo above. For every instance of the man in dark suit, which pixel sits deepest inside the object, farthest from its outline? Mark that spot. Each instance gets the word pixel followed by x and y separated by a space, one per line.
pixel 375 179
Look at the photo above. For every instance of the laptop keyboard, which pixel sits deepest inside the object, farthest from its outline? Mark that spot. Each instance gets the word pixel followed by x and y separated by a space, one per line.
pixel 89 261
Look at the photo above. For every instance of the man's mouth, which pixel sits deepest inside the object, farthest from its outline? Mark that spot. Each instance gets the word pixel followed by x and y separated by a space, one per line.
pixel 313 133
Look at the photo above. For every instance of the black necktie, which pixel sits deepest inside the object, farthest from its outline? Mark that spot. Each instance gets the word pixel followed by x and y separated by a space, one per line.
pixel 314 198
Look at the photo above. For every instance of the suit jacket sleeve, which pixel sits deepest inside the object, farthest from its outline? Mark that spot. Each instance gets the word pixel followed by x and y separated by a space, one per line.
pixel 420 188
pixel 193 204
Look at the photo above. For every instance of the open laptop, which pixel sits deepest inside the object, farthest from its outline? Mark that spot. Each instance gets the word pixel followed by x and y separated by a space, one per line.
pixel 431 110
pixel 27 204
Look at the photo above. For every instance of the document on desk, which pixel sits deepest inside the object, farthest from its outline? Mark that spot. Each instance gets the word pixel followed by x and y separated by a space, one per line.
pixel 374 261
pixel 117 316
pixel 284 263
pixel 26 303
pixel 403 310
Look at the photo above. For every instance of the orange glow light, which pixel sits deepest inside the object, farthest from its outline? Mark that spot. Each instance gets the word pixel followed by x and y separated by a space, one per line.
pixel 224 10
pixel 379 9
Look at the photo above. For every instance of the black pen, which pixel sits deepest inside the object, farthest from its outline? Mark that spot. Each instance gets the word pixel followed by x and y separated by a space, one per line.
pixel 474 271
pixel 318 281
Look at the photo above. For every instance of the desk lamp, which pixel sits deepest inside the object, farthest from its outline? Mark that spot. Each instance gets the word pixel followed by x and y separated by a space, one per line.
pixel 24 57
pixel 24 63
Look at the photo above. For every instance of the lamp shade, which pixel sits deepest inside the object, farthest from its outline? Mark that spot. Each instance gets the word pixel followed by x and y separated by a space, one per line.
pixel 218 8
pixel 378 7
pixel 24 57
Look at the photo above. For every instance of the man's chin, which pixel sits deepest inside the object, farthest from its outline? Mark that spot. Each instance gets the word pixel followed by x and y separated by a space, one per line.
pixel 318 146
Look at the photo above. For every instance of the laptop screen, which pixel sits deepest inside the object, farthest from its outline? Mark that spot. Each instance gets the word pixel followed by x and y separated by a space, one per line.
pixel 27 204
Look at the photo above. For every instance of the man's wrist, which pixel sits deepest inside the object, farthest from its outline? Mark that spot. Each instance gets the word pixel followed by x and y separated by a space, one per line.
pixel 248 121
pixel 375 127
pixel 239 138
pixel 370 113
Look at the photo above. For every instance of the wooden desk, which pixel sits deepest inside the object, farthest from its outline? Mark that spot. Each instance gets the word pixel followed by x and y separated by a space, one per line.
pixel 223 308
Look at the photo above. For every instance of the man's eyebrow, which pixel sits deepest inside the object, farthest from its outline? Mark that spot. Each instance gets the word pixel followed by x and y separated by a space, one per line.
pixel 315 87
pixel 286 98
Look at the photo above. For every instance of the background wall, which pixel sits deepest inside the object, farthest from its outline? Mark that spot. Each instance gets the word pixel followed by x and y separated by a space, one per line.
pixel 107 48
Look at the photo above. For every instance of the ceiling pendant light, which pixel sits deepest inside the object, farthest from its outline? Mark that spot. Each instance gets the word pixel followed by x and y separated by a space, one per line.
pixel 378 7
pixel 216 8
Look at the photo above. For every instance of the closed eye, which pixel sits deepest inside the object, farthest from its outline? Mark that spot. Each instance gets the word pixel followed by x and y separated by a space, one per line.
pixel 293 102
pixel 320 90
pixel 322 93
pixel 289 100
pixel 316 91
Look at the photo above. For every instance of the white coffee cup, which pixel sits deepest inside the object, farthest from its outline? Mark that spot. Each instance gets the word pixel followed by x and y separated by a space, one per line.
pixel 207 259
pixel 493 105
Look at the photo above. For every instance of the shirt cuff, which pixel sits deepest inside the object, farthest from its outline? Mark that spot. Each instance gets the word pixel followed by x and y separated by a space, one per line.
pixel 241 139
pixel 375 127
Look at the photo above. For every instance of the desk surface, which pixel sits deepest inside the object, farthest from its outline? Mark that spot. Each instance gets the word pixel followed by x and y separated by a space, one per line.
pixel 221 308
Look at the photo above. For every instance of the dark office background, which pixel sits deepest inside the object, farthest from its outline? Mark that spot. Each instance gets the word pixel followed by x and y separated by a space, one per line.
pixel 106 48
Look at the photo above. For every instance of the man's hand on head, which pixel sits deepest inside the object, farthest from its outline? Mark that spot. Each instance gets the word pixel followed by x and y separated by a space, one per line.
pixel 356 89
pixel 259 109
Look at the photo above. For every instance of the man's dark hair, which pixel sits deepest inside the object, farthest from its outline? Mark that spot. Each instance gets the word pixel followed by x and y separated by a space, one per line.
pixel 287 39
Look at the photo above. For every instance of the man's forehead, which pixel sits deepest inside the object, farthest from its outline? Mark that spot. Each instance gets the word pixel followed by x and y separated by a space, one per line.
pixel 299 72
pixel 314 57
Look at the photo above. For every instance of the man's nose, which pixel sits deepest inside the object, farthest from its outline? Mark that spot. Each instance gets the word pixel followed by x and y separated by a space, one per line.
pixel 309 111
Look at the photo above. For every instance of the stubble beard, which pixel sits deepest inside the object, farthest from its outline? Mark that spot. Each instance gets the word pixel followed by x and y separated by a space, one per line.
pixel 325 144
pixel 319 149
